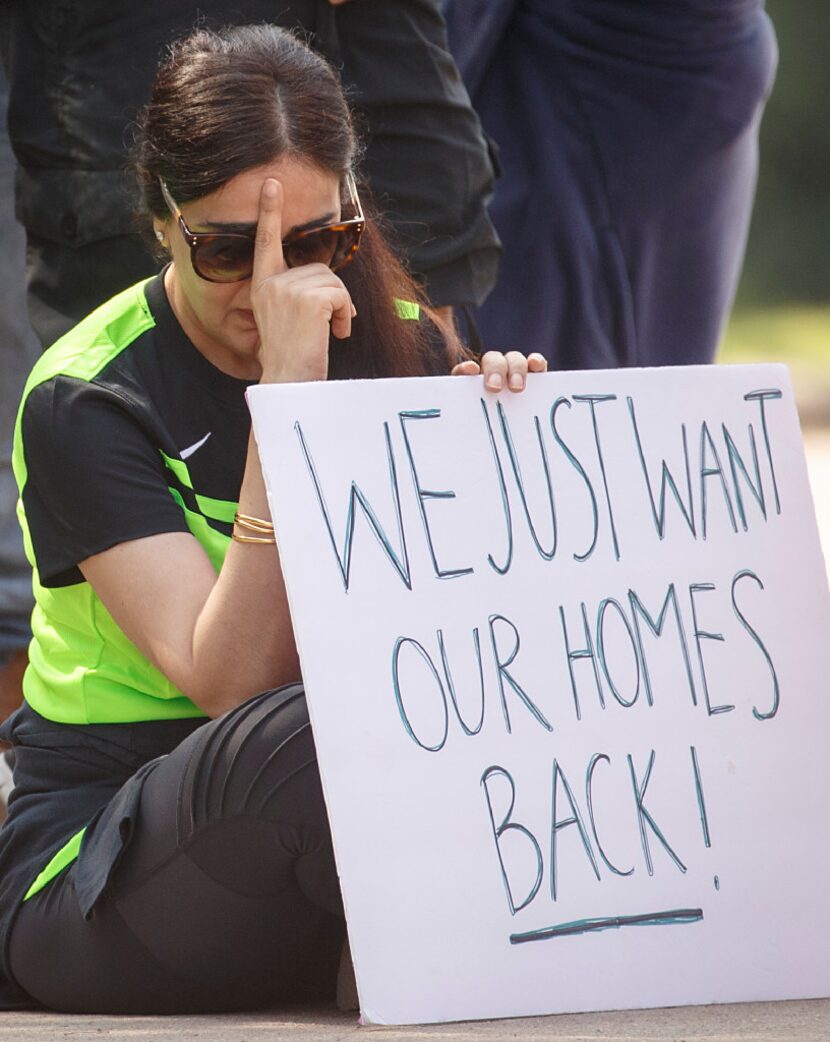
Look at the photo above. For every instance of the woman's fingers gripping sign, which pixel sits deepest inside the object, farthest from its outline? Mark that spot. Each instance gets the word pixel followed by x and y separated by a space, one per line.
pixel 503 369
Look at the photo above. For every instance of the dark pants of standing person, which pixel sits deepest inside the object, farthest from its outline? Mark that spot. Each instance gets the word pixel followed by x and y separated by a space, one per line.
pixel 226 896
pixel 65 285
pixel 628 138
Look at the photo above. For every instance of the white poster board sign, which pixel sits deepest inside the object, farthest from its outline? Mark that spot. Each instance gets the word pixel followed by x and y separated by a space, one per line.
pixel 566 654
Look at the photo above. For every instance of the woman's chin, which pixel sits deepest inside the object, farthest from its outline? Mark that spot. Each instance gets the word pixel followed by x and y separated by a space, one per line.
pixel 247 365
pixel 247 340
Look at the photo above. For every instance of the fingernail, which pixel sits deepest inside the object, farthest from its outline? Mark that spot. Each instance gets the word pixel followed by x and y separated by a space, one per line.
pixel 495 382
pixel 270 188
pixel 354 311
pixel 517 382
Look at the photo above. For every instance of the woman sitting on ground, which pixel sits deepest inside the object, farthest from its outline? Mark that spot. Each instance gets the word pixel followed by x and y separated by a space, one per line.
pixel 155 860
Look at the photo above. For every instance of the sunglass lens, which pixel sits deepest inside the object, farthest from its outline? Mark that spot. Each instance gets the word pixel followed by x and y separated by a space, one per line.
pixel 333 247
pixel 224 258
pixel 346 247
pixel 315 247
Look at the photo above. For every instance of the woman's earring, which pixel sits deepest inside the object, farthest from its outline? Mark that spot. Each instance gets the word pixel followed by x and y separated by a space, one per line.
pixel 160 235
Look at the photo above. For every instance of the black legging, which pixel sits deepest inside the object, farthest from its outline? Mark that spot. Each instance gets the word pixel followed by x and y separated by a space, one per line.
pixel 226 896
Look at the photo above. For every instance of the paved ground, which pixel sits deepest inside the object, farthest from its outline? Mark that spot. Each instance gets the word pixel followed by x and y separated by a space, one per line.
pixel 753 1022
pixel 806 1021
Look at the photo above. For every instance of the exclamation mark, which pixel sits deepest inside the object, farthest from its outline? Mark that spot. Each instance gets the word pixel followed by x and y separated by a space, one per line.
pixel 701 803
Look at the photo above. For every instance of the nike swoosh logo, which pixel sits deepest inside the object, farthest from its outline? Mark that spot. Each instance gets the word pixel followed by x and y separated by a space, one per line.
pixel 186 453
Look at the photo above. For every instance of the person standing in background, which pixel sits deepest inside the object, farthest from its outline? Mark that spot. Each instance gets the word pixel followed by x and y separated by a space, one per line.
pixel 628 137
pixel 18 351
pixel 79 71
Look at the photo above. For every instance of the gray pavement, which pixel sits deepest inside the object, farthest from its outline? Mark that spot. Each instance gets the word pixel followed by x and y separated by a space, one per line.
pixel 802 1021
pixel 806 1021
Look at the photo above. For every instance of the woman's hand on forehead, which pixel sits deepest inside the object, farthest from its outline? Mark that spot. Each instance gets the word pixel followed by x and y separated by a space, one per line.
pixel 295 308
pixel 503 369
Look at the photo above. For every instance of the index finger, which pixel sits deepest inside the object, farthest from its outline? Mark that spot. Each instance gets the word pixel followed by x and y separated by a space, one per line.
pixel 268 259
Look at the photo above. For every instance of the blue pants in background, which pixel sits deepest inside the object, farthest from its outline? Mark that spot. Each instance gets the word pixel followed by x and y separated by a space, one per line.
pixel 627 135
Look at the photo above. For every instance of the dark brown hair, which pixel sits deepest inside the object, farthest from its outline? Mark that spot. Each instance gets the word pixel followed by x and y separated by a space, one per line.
pixel 227 101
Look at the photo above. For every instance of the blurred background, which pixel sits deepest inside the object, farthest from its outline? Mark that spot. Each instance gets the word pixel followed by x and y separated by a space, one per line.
pixel 782 311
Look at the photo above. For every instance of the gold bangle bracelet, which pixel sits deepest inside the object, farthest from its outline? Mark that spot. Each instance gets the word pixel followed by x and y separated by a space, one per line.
pixel 265 540
pixel 253 524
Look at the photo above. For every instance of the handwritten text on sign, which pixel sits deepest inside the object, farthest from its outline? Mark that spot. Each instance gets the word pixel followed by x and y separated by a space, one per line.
pixel 564 654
